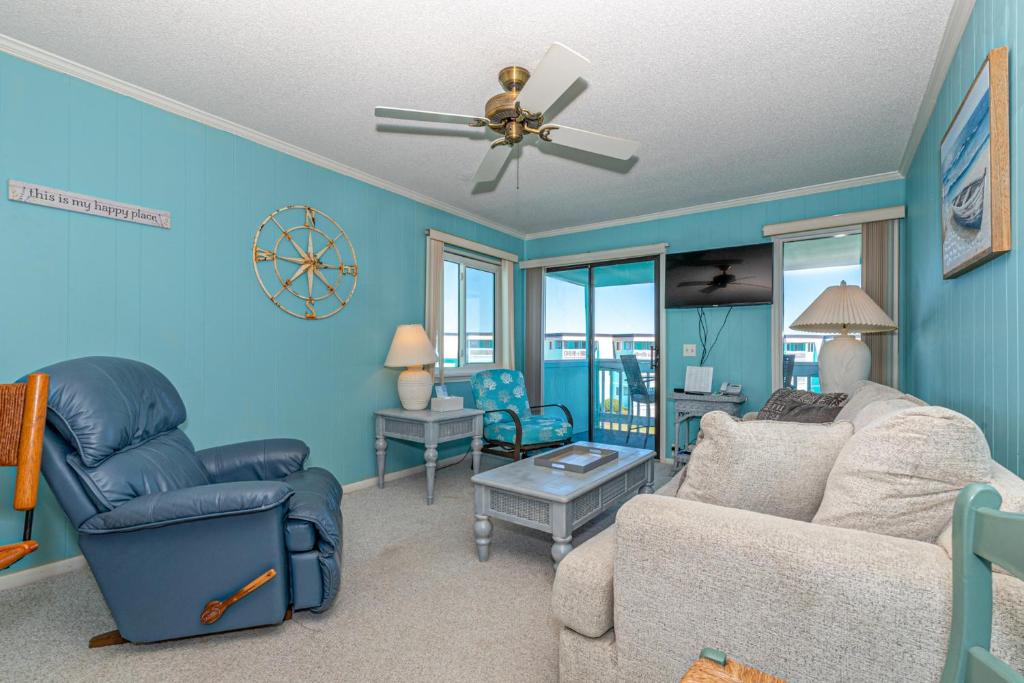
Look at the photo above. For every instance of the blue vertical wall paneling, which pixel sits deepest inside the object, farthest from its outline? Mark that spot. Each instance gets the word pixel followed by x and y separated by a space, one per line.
pixel 963 335
pixel 743 354
pixel 186 300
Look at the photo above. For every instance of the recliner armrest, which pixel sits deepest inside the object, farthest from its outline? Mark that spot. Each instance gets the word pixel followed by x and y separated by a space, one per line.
pixel 189 504
pixel 265 460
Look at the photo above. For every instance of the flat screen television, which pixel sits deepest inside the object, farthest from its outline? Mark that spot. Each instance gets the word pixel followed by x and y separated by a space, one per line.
pixel 734 276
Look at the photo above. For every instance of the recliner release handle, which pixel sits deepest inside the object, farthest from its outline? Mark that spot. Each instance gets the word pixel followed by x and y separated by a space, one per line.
pixel 215 609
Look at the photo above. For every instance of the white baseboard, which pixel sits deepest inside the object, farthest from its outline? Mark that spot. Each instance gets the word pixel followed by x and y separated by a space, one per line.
pixel 27 576
pixel 400 474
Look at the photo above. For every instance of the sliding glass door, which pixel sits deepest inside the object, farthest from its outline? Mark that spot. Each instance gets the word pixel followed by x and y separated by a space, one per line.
pixel 566 334
pixel 601 349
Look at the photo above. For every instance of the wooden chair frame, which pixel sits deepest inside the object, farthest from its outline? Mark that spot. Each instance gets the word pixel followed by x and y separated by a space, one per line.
pixel 516 450
pixel 982 536
pixel 23 407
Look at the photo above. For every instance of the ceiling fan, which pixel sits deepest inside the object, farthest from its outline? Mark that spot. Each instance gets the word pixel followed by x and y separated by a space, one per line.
pixel 519 112
pixel 723 279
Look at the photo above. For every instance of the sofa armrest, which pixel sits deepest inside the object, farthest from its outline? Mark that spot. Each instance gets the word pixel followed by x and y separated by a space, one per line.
pixel 265 460
pixel 187 505
pixel 582 594
pixel 799 600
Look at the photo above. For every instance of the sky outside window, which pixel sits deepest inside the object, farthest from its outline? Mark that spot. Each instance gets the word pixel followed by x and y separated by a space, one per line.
pixel 620 309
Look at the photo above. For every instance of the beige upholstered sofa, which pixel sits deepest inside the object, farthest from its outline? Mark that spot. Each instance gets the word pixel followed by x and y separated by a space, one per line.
pixel 798 599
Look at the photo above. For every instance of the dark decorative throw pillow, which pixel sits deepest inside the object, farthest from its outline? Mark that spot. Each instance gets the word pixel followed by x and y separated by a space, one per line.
pixel 784 400
pixel 810 412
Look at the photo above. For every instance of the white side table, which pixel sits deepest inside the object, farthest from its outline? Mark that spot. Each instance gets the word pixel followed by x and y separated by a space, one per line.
pixel 430 429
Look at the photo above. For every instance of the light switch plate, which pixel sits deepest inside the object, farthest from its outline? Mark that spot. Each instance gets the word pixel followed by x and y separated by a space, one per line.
pixel 690 350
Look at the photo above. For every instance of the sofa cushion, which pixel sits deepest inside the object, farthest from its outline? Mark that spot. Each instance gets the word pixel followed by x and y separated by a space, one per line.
pixel 783 400
pixel 879 409
pixel 164 463
pixel 536 429
pixel 500 389
pixel 1010 488
pixel 778 468
pixel 103 405
pixel 863 393
pixel 900 474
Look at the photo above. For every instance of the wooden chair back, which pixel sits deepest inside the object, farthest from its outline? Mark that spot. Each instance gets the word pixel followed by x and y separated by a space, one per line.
pixel 982 536
pixel 22 423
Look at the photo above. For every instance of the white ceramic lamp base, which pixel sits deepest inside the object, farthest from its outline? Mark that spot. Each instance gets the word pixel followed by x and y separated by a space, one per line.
pixel 414 388
pixel 843 361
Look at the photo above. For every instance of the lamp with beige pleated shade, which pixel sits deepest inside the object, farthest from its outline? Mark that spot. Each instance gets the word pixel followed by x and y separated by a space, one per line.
pixel 845 309
pixel 411 349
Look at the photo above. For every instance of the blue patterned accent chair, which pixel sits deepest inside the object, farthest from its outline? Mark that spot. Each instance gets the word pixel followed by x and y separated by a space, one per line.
pixel 167 529
pixel 511 428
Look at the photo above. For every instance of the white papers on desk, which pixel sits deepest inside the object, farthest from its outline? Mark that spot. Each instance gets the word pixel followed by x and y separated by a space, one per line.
pixel 698 379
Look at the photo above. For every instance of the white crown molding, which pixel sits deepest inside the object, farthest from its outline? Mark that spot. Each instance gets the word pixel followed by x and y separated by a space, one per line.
pixel 727 204
pixel 60 64
pixel 26 576
pixel 959 17
pixel 48 60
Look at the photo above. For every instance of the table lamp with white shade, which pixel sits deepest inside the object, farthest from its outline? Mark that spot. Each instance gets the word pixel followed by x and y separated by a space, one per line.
pixel 411 349
pixel 844 309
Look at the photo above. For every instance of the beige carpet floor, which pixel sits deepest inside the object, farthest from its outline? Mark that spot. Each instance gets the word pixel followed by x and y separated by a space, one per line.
pixel 415 605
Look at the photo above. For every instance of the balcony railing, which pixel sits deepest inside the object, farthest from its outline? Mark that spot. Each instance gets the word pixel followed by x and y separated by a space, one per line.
pixel 565 381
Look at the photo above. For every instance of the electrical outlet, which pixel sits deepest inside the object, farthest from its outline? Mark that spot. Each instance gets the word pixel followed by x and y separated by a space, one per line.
pixel 689 350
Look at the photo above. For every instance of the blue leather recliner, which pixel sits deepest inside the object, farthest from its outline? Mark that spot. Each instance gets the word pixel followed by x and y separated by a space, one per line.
pixel 165 528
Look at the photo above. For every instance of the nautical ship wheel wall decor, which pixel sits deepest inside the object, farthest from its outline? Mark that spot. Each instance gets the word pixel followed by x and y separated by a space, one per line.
pixel 308 268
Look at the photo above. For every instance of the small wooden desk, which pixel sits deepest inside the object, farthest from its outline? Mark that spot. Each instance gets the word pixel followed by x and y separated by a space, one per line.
pixel 689 406
pixel 429 428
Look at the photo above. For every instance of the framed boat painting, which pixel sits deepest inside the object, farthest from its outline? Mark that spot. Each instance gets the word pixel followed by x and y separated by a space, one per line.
pixel 974 170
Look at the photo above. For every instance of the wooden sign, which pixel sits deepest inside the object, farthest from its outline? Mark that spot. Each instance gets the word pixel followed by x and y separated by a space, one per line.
pixel 29 193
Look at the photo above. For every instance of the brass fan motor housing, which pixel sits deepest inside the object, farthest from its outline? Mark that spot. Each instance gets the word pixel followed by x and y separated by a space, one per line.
pixel 501 108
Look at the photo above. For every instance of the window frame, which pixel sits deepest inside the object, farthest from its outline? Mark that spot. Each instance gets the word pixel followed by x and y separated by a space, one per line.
pixel 465 367
pixel 778 250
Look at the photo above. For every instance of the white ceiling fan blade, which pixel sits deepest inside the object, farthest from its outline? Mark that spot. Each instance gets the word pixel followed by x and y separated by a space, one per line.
pixel 419 115
pixel 491 166
pixel 559 69
pixel 605 145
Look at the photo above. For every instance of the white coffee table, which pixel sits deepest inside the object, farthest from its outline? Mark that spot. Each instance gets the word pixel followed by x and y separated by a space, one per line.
pixel 557 501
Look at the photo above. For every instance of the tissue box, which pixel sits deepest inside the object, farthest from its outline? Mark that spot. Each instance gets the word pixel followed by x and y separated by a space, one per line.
pixel 443 405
